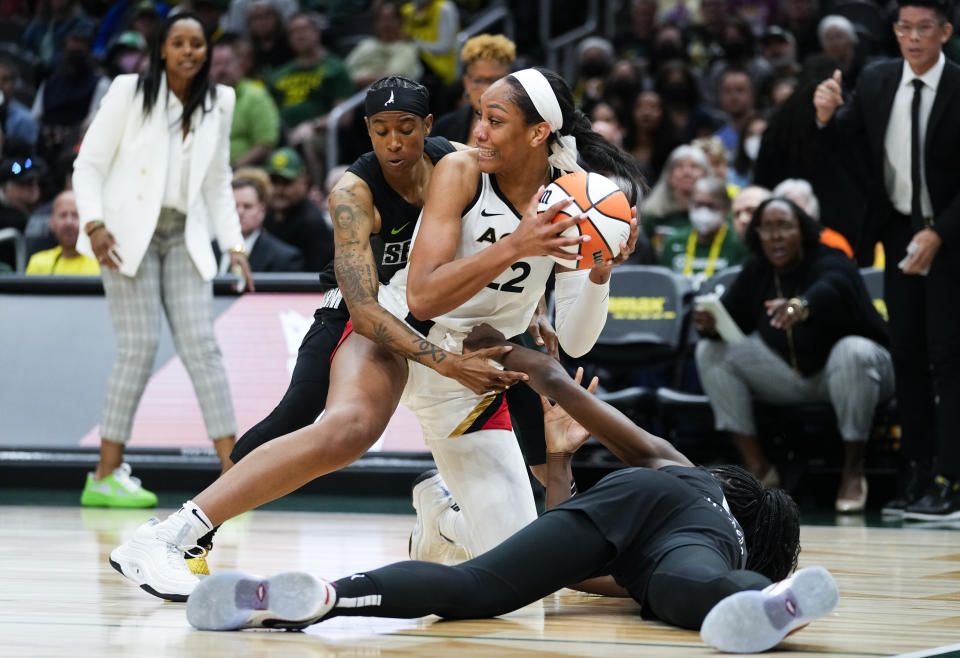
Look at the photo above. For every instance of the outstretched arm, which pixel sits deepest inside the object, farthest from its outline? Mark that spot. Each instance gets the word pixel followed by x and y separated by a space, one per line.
pixel 352 210
pixel 631 444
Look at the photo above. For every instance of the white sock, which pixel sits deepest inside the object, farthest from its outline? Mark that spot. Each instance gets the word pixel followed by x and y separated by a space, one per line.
pixel 186 525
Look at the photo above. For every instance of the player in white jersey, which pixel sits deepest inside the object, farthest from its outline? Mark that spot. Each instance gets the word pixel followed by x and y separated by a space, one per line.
pixel 373 364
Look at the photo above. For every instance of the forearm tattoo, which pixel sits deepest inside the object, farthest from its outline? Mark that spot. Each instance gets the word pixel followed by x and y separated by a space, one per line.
pixel 427 351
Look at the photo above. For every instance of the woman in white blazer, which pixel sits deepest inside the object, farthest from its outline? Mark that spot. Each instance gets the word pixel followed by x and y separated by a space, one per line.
pixel 151 179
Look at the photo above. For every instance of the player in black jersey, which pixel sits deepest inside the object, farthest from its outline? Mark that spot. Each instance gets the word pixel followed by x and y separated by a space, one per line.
pixel 696 548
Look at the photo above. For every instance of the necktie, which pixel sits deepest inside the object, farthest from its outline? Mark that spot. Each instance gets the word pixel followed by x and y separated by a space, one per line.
pixel 916 212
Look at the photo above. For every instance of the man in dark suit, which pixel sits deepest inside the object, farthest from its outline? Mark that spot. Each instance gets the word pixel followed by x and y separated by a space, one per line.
pixel 267 253
pixel 905 116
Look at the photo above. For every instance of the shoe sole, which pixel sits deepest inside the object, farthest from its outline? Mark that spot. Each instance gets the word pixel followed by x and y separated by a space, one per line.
pixel 752 621
pixel 132 568
pixel 231 600
pixel 100 500
pixel 920 516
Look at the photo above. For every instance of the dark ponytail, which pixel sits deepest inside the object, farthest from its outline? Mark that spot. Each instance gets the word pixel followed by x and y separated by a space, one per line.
pixel 596 153
pixel 200 87
pixel 770 520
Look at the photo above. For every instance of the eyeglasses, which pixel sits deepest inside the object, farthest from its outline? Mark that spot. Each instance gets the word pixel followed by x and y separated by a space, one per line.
pixel 768 231
pixel 924 29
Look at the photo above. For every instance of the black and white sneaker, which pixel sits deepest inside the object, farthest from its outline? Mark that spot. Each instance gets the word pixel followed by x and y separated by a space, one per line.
pixel 757 620
pixel 231 600
pixel 940 503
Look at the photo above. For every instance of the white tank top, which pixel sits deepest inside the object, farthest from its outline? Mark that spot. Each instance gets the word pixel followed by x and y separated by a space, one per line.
pixel 508 302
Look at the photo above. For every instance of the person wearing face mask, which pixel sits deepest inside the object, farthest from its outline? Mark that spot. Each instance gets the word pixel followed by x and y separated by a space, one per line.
pixel 127 54
pixel 708 245
pixel 747 150
pixel 811 335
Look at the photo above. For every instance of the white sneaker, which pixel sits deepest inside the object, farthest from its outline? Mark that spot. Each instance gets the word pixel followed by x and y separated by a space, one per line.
pixel 153 557
pixel 230 600
pixel 431 498
pixel 757 620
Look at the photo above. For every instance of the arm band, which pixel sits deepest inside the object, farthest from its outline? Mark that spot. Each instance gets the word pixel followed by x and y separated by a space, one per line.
pixel 581 307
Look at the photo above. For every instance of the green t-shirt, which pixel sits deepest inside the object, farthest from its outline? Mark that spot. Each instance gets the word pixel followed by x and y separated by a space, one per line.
pixel 707 259
pixel 304 93
pixel 256 120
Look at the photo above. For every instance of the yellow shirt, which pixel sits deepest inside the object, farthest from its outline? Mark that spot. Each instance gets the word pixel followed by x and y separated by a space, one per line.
pixel 51 262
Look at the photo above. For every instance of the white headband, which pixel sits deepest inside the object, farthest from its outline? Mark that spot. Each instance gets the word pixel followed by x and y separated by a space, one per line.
pixel 563 152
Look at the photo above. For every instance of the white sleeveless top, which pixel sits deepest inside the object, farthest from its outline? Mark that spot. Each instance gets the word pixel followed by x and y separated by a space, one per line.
pixel 508 302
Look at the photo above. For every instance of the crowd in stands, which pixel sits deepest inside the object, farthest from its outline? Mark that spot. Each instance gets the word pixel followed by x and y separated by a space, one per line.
pixel 714 99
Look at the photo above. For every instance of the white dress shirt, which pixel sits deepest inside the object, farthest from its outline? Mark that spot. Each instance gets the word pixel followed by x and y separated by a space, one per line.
pixel 896 143
pixel 178 170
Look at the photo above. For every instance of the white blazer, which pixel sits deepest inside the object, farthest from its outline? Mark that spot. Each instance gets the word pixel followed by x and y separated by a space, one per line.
pixel 120 174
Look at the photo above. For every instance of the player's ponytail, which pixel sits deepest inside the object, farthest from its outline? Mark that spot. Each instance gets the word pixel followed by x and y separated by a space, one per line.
pixel 769 518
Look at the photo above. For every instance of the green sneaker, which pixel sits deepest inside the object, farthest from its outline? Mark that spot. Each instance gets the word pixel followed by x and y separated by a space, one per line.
pixel 119 489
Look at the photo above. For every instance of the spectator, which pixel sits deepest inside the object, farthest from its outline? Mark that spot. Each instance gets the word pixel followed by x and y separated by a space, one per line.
pixel 308 87
pixel 737 99
pixel 800 19
pixel 433 25
pixel 680 92
pixel 595 58
pixel 486 58
pixel 716 153
pixel 146 19
pixel 744 203
pixel 634 41
pixel 293 217
pixel 650 136
pixel 37 234
pixel 69 98
pixel 126 54
pixel 19 123
pixel 46 35
pixel 665 210
pixel 19 195
pixel 838 39
pixel 748 148
pixel 801 193
pixel 707 246
pixel 779 49
pixel 705 47
pixel 739 53
pixel 64 259
pixel 812 335
pixel 238 16
pixel 388 51
pixel 271 49
pixel 140 16
pixel 210 12
pixel 267 253
pixel 255 129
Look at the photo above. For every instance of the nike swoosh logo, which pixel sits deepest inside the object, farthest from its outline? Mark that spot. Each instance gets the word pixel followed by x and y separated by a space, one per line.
pixel 394 231
pixel 194 512
pixel 490 214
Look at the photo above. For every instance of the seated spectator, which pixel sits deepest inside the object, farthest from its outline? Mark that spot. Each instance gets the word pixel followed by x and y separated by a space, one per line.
pixel 266 26
pixel 46 35
pixel 740 54
pixel 255 128
pixel 140 16
pixel 126 54
pixel 387 52
pixel 266 252
pixel 779 48
pixel 708 245
pixel 19 195
pixel 812 335
pixel 664 211
pixel 486 58
pixel 801 193
pixel 716 153
pixel 19 123
pixel 38 234
pixel 292 216
pixel 737 100
pixel 595 58
pixel 680 91
pixel 433 25
pixel 634 40
pixel 838 39
pixel 70 96
pixel 744 203
pixel 64 259
pixel 740 173
pixel 238 16
pixel 650 135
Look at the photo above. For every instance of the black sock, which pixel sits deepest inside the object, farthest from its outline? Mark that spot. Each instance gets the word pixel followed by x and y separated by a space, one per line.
pixel 205 542
pixel 357 595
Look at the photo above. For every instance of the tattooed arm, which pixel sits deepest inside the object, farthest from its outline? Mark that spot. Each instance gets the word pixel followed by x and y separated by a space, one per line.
pixel 354 220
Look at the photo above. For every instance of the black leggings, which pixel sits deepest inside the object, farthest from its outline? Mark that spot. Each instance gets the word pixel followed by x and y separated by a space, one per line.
pixel 306 395
pixel 558 549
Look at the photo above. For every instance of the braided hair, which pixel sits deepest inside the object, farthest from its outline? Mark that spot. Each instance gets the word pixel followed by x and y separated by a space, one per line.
pixel 770 520
pixel 596 153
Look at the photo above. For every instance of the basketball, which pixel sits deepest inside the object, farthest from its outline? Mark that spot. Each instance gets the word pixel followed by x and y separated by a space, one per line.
pixel 607 222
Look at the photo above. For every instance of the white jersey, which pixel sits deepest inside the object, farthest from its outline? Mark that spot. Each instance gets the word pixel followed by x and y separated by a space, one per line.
pixel 508 302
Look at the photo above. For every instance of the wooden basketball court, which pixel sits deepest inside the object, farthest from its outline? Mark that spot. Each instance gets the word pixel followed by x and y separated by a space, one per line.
pixel 900 592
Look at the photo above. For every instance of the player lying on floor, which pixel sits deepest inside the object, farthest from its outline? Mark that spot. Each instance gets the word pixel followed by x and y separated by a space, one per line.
pixel 696 548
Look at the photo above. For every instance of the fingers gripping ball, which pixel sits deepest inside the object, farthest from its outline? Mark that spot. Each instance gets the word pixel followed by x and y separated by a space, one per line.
pixel 608 216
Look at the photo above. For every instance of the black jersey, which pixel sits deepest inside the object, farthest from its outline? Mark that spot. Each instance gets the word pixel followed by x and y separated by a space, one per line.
pixel 398 219
pixel 646 513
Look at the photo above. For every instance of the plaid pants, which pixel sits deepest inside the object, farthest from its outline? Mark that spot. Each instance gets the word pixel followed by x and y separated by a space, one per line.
pixel 166 282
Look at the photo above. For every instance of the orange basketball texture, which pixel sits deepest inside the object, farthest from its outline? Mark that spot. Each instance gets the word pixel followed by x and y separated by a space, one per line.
pixel 608 216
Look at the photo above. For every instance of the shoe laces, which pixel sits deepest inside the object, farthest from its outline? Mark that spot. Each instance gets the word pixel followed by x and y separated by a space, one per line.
pixel 176 555
pixel 122 474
